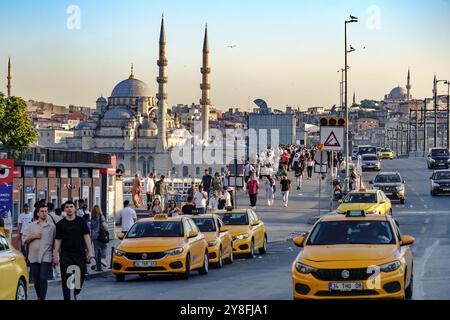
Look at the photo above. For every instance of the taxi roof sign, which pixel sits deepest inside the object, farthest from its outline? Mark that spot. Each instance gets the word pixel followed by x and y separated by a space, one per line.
pixel 161 216
pixel 355 213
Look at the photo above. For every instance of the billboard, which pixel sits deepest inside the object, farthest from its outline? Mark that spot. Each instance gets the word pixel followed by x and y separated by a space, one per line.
pixel 6 190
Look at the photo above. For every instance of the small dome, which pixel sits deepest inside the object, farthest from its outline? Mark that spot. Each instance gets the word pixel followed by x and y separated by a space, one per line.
pixel 102 100
pixel 118 114
pixel 131 88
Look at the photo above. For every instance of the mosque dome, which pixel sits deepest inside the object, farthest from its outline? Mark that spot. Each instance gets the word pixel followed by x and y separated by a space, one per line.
pixel 398 93
pixel 101 100
pixel 131 88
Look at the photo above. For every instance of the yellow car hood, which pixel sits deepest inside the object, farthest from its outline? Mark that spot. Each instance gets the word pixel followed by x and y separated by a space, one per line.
pixel 236 230
pixel 352 252
pixel 150 244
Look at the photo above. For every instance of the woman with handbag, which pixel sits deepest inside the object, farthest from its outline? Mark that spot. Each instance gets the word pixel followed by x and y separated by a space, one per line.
pixel 100 235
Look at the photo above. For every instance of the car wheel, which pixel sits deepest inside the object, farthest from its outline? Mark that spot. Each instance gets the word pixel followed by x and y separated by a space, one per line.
pixel 120 277
pixel 433 194
pixel 251 254
pixel 187 272
pixel 220 261
pixel 230 258
pixel 402 201
pixel 409 289
pixel 204 270
pixel 21 292
pixel 263 249
pixel 390 212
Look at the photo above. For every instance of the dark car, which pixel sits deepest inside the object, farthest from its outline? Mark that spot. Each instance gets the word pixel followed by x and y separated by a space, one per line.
pixel 438 158
pixel 392 184
pixel 440 182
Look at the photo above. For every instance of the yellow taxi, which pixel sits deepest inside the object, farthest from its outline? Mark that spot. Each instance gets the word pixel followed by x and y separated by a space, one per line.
pixel 13 272
pixel 247 230
pixel 386 153
pixel 353 256
pixel 220 242
pixel 371 201
pixel 161 245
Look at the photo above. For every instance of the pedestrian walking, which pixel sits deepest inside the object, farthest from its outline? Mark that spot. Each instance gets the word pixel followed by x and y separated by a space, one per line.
pixel 214 201
pixel 149 186
pixel 25 218
pixel 53 219
pixel 285 188
pixel 136 191
pixel 269 185
pixel 74 241
pixel 82 211
pixel 248 170
pixel 225 199
pixel 200 198
pixel 98 228
pixel 127 216
pixel 207 182
pixel 40 241
pixel 217 183
pixel 252 190
pixel 161 190
pixel 310 166
pixel 191 191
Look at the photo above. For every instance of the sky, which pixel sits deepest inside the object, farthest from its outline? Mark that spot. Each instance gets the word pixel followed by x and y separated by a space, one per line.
pixel 287 51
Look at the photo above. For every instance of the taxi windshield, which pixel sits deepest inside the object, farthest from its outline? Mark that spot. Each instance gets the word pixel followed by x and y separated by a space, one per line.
pixel 352 232
pixel 361 198
pixel 385 150
pixel 388 178
pixel 369 157
pixel 156 229
pixel 205 224
pixel 235 219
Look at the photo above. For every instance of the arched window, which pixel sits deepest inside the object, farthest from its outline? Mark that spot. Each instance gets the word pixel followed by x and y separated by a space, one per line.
pixel 185 171
pixel 197 171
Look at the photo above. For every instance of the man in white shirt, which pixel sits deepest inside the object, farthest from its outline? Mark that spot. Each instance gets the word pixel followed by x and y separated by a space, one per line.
pixel 25 218
pixel 127 216
pixel 149 186
pixel 200 198
pixel 248 170
pixel 82 210
pixel 214 201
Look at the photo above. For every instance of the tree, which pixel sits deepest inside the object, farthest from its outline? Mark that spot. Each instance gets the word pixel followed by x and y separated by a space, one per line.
pixel 16 130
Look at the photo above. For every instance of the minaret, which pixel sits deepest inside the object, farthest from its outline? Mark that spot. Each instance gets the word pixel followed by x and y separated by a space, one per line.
pixel 162 90
pixel 354 99
pixel 408 87
pixel 132 72
pixel 205 87
pixel 9 86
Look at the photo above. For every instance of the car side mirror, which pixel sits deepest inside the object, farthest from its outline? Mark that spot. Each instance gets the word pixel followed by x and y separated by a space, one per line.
pixel 223 229
pixel 255 223
pixel 431 178
pixel 120 236
pixel 428 156
pixel 407 240
pixel 298 241
pixel 340 201
pixel 193 234
pixel 370 182
pixel 404 181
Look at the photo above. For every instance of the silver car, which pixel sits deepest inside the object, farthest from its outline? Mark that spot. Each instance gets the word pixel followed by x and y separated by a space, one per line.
pixel 370 162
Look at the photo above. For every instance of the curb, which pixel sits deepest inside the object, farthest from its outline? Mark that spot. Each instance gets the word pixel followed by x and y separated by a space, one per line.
pixel 89 276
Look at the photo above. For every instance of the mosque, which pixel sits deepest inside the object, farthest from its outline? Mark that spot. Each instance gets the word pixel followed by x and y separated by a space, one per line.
pixel 134 125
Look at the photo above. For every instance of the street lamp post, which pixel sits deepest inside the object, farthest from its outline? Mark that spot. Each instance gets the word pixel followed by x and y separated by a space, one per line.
pixel 346 145
pixel 447 82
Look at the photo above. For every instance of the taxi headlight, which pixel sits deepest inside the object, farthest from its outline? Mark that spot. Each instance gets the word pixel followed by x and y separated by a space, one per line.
pixel 174 252
pixel 371 211
pixel 119 253
pixel 400 188
pixel 391 266
pixel 212 243
pixel 241 236
pixel 434 184
pixel 303 268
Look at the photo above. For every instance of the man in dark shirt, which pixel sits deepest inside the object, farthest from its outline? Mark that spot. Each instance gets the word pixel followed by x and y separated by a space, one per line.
pixel 189 206
pixel 207 182
pixel 73 238
pixel 285 188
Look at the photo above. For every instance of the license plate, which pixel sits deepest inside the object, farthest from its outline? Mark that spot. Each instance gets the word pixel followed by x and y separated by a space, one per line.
pixel 144 263
pixel 446 189
pixel 345 286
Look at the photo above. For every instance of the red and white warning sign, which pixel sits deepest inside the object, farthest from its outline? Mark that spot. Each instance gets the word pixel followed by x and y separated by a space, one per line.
pixel 332 138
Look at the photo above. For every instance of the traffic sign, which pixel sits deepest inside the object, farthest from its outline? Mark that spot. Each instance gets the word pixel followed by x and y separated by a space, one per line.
pixel 321 157
pixel 332 138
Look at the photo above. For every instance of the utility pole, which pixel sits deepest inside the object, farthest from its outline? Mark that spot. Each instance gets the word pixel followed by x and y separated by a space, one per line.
pixel 416 149
pixel 424 117
pixel 447 82
pixel 435 110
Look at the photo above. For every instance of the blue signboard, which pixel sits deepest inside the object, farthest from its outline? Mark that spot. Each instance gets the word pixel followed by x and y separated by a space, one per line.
pixel 29 189
pixel 84 173
pixel 6 187
pixel 28 172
